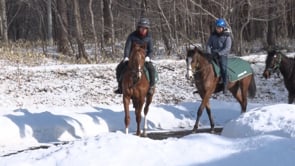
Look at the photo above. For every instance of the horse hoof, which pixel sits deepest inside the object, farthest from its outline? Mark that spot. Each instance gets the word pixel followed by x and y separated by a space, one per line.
pixel 194 130
pixel 212 131
pixel 143 135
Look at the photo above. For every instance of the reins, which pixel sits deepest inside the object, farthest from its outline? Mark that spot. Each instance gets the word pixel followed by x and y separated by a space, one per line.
pixel 276 65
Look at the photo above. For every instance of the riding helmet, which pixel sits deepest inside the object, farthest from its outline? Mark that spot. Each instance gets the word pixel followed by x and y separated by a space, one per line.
pixel 143 22
pixel 220 23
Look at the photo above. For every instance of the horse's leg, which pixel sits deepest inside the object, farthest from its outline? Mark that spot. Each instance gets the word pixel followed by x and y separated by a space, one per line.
pixel 200 110
pixel 244 86
pixel 146 110
pixel 208 110
pixel 126 102
pixel 138 109
pixel 240 93
pixel 237 93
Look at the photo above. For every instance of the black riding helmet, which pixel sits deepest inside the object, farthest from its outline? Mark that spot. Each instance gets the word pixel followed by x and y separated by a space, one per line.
pixel 143 22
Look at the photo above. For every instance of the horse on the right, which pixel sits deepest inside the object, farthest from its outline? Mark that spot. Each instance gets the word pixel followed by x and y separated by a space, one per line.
pixel 276 60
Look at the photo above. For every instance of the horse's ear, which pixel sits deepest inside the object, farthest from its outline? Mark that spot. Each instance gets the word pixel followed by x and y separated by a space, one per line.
pixel 188 46
pixel 196 49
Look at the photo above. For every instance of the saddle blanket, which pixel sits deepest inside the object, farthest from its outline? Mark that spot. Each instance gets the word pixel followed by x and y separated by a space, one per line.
pixel 237 69
pixel 148 76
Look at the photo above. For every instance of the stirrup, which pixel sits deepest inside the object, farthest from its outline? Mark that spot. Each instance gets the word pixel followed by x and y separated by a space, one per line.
pixel 151 90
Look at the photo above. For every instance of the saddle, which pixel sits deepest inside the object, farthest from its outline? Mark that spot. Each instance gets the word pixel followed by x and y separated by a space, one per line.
pixel 146 72
pixel 237 69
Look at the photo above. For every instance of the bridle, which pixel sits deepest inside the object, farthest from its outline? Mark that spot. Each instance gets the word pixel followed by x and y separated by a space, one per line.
pixel 136 70
pixel 277 63
pixel 196 67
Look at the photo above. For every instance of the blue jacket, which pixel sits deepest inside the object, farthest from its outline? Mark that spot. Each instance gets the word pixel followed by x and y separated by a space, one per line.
pixel 219 43
pixel 135 37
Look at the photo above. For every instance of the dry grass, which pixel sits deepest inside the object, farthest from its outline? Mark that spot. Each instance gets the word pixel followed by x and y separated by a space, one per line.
pixel 36 54
pixel 22 53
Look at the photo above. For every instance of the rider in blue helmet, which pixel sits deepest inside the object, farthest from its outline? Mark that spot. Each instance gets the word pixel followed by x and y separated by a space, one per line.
pixel 219 46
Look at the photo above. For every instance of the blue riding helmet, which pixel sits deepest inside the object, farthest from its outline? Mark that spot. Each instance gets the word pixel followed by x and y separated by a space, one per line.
pixel 220 23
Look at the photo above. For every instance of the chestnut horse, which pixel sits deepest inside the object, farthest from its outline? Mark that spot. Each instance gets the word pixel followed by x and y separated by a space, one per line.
pixel 278 61
pixel 200 68
pixel 135 87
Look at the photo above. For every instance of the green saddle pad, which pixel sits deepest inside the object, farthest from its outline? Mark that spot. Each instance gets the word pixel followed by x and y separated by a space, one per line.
pixel 148 76
pixel 237 69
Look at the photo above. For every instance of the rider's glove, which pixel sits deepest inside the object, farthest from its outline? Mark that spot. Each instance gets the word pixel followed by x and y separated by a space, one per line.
pixel 125 59
pixel 147 59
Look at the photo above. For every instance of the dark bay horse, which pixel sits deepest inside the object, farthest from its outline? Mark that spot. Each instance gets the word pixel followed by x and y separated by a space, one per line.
pixel 278 61
pixel 135 87
pixel 201 69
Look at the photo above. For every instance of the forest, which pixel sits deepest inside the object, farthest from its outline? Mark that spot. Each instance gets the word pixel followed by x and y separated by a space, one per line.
pixel 73 25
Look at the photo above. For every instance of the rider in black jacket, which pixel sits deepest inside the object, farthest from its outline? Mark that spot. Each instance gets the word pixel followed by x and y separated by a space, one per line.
pixel 140 36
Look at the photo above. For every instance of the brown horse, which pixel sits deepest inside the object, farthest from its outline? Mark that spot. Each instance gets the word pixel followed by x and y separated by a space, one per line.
pixel 207 83
pixel 278 61
pixel 135 86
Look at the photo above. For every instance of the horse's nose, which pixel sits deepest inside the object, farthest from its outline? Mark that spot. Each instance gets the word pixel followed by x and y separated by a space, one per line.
pixel 189 75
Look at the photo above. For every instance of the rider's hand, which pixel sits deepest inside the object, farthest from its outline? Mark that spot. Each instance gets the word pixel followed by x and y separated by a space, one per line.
pixel 125 59
pixel 147 59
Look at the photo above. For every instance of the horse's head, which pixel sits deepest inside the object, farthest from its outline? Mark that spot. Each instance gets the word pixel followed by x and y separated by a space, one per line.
pixel 192 62
pixel 272 62
pixel 136 62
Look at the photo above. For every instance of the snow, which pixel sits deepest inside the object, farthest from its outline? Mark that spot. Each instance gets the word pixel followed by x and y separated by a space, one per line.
pixel 71 111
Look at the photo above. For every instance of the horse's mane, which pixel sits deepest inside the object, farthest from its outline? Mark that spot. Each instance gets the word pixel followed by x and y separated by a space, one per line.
pixel 137 48
pixel 201 52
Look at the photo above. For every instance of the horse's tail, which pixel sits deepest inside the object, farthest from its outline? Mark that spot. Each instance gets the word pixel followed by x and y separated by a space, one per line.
pixel 252 87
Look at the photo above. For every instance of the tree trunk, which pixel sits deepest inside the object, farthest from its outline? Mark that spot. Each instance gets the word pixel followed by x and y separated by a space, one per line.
pixel 248 7
pixel 102 41
pixel 109 22
pixel 3 21
pixel 49 22
pixel 63 40
pixel 112 27
pixel 143 7
pixel 93 30
pixel 271 25
pixel 79 33
pixel 167 38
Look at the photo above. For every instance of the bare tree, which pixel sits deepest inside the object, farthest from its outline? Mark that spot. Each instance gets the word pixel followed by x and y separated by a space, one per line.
pixel 49 22
pixel 271 24
pixel 63 37
pixel 246 6
pixel 3 21
pixel 93 29
pixel 109 23
pixel 79 32
pixel 167 36
pixel 102 41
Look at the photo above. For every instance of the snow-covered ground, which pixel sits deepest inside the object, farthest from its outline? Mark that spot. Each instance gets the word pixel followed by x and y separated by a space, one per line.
pixel 75 104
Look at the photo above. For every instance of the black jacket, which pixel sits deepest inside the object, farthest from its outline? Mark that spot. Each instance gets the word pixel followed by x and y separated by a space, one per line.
pixel 135 37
